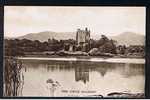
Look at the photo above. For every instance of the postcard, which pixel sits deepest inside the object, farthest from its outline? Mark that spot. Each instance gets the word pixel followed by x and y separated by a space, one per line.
pixel 68 51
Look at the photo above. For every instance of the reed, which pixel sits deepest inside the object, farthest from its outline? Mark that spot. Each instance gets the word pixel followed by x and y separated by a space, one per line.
pixel 13 77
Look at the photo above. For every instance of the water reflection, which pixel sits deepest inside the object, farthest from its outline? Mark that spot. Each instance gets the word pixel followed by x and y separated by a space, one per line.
pixel 83 75
pixel 83 69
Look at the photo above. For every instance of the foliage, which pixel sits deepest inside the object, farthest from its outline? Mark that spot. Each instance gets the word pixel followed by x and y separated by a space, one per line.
pixel 104 44
pixel 16 47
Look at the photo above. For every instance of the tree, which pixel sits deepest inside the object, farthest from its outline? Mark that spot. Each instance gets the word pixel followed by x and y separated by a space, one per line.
pixel 106 46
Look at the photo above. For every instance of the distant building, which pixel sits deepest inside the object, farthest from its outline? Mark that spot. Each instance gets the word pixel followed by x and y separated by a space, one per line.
pixel 83 38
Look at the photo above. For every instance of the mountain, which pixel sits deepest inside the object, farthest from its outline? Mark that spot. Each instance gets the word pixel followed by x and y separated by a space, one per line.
pixel 129 38
pixel 44 36
pixel 6 37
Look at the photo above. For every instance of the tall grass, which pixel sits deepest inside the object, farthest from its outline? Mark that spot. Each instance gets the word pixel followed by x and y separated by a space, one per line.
pixel 13 77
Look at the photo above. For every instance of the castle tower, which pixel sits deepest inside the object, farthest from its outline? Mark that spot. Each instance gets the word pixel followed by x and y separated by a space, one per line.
pixel 83 38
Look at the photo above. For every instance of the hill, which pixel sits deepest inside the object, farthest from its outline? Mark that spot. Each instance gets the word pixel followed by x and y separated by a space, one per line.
pixel 126 38
pixel 44 36
pixel 129 38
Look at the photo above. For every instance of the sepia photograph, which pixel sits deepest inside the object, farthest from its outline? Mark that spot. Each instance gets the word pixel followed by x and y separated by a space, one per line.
pixel 74 51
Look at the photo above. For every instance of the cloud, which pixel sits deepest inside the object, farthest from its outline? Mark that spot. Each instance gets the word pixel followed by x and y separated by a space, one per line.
pixel 20 20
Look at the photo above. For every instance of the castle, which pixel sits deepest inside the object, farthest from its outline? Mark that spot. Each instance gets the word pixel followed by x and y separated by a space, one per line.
pixel 83 39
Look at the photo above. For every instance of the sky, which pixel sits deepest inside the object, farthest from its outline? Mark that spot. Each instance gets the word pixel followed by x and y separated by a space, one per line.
pixel 21 20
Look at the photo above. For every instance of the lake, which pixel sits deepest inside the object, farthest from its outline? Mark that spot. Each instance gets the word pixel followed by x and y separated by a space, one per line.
pixel 82 77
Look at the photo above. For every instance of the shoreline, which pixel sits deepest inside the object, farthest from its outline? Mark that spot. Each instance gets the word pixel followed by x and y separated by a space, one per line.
pixel 84 56
pixel 89 59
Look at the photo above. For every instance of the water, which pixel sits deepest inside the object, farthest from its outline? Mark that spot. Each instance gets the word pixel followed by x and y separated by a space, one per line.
pixel 82 77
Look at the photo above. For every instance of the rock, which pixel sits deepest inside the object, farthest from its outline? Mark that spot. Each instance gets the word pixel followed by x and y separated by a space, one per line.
pixel 93 51
pixel 68 53
pixel 48 53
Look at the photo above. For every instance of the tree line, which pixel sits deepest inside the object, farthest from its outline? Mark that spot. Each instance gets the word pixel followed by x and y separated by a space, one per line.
pixel 18 47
